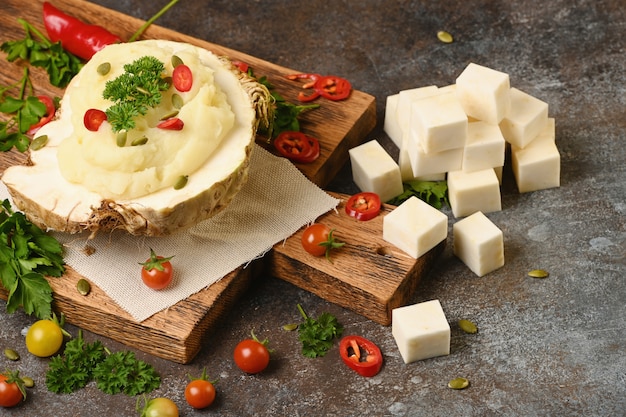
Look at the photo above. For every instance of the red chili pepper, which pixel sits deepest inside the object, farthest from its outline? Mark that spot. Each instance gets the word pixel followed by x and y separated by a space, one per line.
pixel 297 146
pixel 76 36
pixel 363 206
pixel 50 110
pixel 171 124
pixel 361 355
pixel 328 86
pixel 242 66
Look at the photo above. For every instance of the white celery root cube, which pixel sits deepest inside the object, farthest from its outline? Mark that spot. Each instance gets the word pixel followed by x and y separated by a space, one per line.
pixel 526 119
pixel 438 123
pixel 374 170
pixel 478 243
pixel 485 147
pixel 415 227
pixel 484 93
pixel 391 125
pixel 421 331
pixel 538 165
pixel 469 192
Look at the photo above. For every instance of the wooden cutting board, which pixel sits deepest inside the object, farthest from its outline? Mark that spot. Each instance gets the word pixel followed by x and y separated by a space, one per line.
pixel 177 333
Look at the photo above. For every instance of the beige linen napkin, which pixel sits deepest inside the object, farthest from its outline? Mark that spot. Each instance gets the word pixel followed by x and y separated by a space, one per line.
pixel 276 201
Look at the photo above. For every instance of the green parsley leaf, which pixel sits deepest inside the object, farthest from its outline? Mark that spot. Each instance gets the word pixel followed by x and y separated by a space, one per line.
pixel 317 335
pixel 27 254
pixel 135 91
pixel 122 372
pixel 434 193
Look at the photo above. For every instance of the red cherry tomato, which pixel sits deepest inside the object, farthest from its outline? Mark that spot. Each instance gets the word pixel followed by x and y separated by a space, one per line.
pixel 361 355
pixel 93 119
pixel 182 78
pixel 47 117
pixel 297 146
pixel 173 123
pixel 10 391
pixel 200 393
pixel 157 271
pixel 318 240
pixel 363 206
pixel 251 356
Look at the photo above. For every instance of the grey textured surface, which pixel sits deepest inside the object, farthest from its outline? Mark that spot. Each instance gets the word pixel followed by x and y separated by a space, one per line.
pixel 553 347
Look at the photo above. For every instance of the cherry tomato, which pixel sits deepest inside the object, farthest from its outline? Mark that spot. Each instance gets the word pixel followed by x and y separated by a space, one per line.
pixel 11 393
pixel 160 407
pixel 182 78
pixel 171 124
pixel 47 117
pixel 44 338
pixel 200 392
pixel 318 240
pixel 157 272
pixel 93 119
pixel 252 356
pixel 361 355
pixel 297 146
pixel 363 206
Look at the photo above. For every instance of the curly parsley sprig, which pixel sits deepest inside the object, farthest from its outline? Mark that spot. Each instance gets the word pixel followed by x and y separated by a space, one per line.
pixel 317 335
pixel 135 91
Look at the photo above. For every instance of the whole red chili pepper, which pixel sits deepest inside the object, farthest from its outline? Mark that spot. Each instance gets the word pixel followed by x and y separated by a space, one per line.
pixel 76 36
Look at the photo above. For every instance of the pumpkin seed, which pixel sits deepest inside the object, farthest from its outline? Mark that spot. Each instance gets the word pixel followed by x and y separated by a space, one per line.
pixel 83 286
pixel 139 141
pixel 177 101
pixel 11 354
pixel 121 138
pixel 290 327
pixel 167 83
pixel 444 36
pixel 28 381
pixel 538 273
pixel 169 115
pixel 458 383
pixel 39 142
pixel 181 182
pixel 176 61
pixel 104 68
pixel 467 326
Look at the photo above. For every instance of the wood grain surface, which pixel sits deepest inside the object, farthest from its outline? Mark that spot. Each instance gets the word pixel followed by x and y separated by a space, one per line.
pixel 359 278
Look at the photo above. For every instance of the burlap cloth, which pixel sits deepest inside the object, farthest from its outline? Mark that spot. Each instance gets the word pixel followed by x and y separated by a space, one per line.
pixel 276 201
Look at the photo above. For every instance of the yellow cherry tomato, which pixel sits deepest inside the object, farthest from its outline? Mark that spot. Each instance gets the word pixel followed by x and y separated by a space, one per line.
pixel 44 338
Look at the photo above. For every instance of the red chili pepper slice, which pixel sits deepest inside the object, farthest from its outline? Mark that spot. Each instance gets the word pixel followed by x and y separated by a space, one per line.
pixel 93 119
pixel 333 87
pixel 243 67
pixel 363 206
pixel 171 124
pixel 76 36
pixel 182 78
pixel 50 110
pixel 297 146
pixel 328 86
pixel 361 355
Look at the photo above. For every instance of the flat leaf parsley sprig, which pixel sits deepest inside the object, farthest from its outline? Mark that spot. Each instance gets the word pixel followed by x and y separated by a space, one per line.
pixel 317 335
pixel 27 254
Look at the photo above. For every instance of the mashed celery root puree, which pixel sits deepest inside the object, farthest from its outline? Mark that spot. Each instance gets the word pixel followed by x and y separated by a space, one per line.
pixel 95 160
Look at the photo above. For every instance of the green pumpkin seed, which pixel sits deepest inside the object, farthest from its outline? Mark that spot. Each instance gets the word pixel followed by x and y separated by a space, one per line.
pixel 139 141
pixel 28 381
pixel 290 327
pixel 538 273
pixel 11 354
pixel 177 101
pixel 458 383
pixel 176 61
pixel 467 326
pixel 167 83
pixel 121 138
pixel 169 115
pixel 39 142
pixel 181 182
pixel 444 36
pixel 83 286
pixel 104 68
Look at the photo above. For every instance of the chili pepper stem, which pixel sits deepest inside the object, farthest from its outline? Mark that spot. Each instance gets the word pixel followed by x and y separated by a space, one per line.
pixel 145 26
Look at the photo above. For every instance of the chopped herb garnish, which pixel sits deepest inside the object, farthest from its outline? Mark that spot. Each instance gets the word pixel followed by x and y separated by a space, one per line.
pixel 434 193
pixel 317 335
